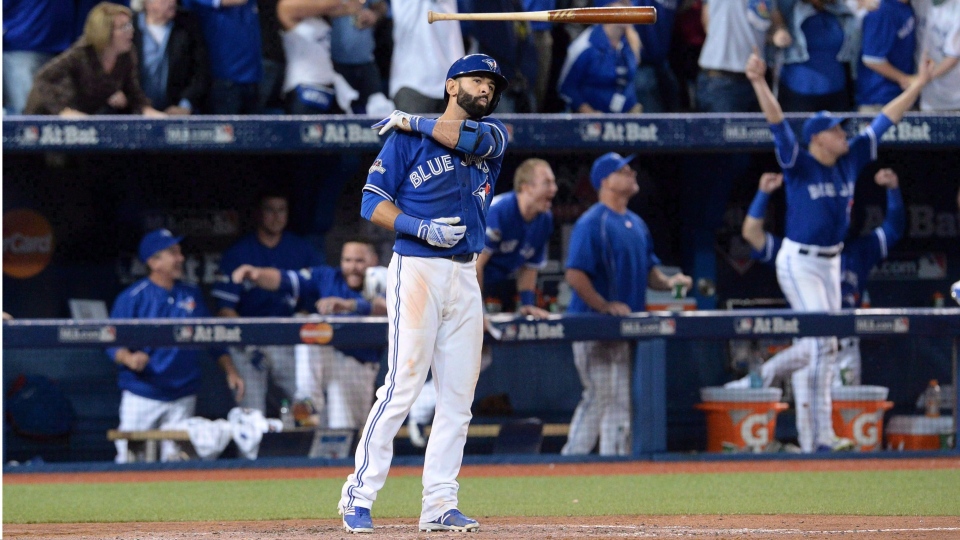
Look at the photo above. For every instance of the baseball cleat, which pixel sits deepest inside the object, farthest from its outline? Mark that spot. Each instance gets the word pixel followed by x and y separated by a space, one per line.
pixel 840 444
pixel 451 520
pixel 356 519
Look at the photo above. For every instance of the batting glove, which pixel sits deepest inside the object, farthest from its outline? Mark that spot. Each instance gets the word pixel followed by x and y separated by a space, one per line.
pixel 441 232
pixel 413 123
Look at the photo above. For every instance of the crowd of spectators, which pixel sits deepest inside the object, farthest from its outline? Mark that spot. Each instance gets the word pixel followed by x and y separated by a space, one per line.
pixel 351 56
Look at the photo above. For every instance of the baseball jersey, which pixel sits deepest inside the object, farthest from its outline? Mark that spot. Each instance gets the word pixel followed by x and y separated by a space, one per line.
pixel 427 181
pixel 312 284
pixel 38 25
pixel 307 46
pixel 821 73
pixel 172 372
pixel 599 74
pixel 858 256
pixel 941 39
pixel 889 34
pixel 291 253
pixel 616 252
pixel 513 242
pixel 819 198
pixel 232 36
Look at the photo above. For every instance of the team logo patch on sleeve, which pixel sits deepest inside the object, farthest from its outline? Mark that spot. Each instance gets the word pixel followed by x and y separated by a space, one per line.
pixel 377 167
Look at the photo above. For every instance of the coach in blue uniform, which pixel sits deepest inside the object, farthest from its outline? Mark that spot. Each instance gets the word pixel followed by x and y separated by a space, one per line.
pixel 819 183
pixel 431 184
pixel 340 382
pixel 269 246
pixel 856 261
pixel 159 385
pixel 887 56
pixel 610 264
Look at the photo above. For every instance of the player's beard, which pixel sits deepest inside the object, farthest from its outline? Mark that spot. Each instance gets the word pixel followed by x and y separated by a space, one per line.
pixel 471 104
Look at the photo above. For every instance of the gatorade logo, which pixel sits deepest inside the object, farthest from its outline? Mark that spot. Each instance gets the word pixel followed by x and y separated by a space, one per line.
pixel 754 431
pixel 316 333
pixel 27 243
pixel 866 432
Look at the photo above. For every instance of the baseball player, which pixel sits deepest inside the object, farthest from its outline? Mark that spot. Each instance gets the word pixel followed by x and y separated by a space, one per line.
pixel 519 226
pixel 159 385
pixel 337 381
pixel 856 260
pixel 270 245
pixel 430 183
pixel 819 183
pixel 610 265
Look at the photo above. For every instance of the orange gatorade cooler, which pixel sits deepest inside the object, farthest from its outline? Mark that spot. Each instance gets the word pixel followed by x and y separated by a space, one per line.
pixel 920 433
pixel 858 414
pixel 740 419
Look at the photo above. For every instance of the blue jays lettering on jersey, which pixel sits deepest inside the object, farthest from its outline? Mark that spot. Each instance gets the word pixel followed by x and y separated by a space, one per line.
pixel 312 284
pixel 819 198
pixel 513 242
pixel 616 252
pixel 291 253
pixel 426 180
pixel 172 372
pixel 858 256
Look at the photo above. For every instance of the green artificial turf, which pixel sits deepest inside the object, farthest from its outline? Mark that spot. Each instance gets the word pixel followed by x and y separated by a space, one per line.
pixel 911 492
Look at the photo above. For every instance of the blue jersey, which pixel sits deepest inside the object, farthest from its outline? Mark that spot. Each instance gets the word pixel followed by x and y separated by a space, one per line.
pixel 859 256
pixel 426 180
pixel 889 34
pixel 598 74
pixel 822 73
pixel 312 284
pixel 656 38
pixel 232 35
pixel 513 242
pixel 539 5
pixel 172 372
pixel 291 253
pixel 38 25
pixel 819 198
pixel 616 252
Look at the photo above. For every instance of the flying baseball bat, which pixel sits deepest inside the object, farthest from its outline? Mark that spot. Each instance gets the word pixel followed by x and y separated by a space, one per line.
pixel 601 15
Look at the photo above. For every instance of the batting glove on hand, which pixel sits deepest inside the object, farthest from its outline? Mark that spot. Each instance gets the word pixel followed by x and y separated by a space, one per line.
pixel 441 232
pixel 405 122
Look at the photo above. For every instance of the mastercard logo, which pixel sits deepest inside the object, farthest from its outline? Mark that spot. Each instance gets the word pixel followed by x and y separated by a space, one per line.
pixel 27 243
pixel 316 333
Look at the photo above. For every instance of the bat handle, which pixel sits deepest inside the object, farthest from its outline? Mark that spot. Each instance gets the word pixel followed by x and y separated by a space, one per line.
pixel 430 17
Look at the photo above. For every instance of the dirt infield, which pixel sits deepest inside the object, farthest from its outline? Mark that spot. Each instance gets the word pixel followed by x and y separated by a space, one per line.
pixel 511 528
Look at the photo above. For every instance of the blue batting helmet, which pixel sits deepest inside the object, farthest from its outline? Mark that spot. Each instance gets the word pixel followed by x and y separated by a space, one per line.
pixel 483 64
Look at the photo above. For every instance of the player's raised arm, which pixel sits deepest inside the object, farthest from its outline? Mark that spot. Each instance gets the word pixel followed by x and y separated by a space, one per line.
pixel 756 70
pixel 752 230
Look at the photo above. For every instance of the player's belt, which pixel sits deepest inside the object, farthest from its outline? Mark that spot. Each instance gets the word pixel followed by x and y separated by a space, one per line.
pixel 826 254
pixel 463 258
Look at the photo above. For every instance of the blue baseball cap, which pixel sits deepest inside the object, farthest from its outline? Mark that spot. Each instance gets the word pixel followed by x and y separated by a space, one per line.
pixel 156 241
pixel 606 165
pixel 821 121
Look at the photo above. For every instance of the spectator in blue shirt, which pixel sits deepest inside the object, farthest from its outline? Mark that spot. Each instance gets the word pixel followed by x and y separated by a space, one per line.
pixel 232 32
pixel 887 55
pixel 657 87
pixel 34 31
pixel 352 45
pixel 159 384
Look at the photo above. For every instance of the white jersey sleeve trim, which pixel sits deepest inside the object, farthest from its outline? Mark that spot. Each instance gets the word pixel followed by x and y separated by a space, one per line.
pixel 874 59
pixel 377 191
pixel 873 142
pixel 503 137
pixel 882 237
pixel 225 295
pixel 768 247
pixel 294 283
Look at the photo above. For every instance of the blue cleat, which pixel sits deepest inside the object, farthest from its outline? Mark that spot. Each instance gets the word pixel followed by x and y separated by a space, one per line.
pixel 451 520
pixel 356 519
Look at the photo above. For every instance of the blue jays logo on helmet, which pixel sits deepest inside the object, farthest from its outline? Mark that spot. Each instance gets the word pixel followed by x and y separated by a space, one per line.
pixel 483 64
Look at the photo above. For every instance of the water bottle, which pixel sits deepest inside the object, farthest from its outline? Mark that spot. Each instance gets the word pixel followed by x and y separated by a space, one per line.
pixel 931 399
pixel 286 415
pixel 756 380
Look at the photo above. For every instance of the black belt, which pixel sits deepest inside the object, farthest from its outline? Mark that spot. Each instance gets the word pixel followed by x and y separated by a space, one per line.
pixel 725 73
pixel 464 258
pixel 822 254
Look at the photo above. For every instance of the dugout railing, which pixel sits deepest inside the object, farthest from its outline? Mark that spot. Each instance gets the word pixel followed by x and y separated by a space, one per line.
pixel 55 347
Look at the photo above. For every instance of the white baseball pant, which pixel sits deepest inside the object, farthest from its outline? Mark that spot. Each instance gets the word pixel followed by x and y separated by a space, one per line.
pixel 812 283
pixel 257 366
pixel 604 409
pixel 340 386
pixel 423 408
pixel 138 413
pixel 435 316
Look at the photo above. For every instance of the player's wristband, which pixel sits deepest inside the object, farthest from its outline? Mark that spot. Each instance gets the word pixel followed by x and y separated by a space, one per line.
pixel 423 125
pixel 759 205
pixel 410 225
pixel 527 298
